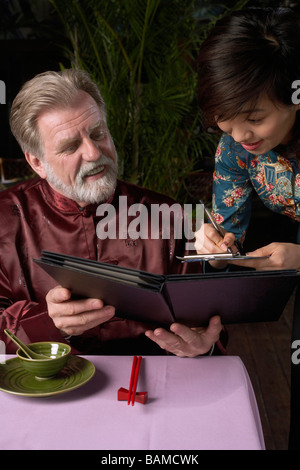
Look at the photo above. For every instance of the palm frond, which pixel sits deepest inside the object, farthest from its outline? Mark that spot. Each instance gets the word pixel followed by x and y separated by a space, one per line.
pixel 141 53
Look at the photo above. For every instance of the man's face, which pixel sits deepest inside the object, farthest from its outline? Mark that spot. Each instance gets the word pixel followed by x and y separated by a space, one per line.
pixel 80 159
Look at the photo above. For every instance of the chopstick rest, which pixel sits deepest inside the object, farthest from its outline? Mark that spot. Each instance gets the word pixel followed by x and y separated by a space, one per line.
pixel 140 397
pixel 132 395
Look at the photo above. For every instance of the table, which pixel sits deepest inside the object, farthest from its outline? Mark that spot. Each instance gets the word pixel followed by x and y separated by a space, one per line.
pixel 194 404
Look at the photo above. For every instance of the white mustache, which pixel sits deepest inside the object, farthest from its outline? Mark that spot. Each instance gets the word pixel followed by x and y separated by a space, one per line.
pixel 90 166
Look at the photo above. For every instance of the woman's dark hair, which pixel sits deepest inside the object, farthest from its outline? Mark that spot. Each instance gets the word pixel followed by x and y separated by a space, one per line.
pixel 248 54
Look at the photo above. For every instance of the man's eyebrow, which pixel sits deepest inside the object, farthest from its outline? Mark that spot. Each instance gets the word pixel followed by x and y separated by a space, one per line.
pixel 72 140
pixel 97 125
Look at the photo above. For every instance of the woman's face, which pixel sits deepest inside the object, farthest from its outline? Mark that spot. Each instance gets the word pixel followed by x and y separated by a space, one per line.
pixel 263 128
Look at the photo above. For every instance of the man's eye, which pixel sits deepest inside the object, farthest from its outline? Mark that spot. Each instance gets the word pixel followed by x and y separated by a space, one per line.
pixel 98 135
pixel 70 149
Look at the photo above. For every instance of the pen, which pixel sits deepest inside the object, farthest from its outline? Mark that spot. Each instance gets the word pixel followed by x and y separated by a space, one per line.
pixel 220 230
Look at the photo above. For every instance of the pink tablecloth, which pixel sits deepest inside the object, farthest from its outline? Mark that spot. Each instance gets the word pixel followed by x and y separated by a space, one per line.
pixel 194 404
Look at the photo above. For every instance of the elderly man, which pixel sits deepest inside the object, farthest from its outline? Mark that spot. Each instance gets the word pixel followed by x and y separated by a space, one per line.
pixel 59 120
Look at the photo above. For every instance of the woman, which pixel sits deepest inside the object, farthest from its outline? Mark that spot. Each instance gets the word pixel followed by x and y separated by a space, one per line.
pixel 249 77
pixel 248 69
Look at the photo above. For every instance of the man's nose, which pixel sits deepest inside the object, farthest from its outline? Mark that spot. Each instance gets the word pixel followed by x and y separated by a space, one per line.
pixel 91 150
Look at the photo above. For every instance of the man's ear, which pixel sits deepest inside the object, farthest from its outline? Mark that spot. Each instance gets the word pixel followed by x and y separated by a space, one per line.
pixel 36 164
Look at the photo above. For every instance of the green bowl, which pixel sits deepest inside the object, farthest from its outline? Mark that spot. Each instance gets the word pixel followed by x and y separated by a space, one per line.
pixel 44 368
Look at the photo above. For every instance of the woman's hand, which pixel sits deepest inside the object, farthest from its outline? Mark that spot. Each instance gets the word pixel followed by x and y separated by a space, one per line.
pixel 208 240
pixel 280 256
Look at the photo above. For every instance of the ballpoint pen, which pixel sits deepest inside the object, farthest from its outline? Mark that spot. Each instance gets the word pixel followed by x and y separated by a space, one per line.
pixel 221 231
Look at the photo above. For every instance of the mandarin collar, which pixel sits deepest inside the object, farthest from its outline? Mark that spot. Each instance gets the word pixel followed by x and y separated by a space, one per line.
pixel 67 205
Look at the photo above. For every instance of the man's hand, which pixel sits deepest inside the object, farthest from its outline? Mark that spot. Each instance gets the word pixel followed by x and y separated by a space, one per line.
pixel 74 317
pixel 187 342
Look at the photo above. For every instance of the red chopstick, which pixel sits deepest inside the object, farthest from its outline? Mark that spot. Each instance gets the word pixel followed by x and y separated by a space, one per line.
pixel 136 363
pixel 131 378
pixel 136 376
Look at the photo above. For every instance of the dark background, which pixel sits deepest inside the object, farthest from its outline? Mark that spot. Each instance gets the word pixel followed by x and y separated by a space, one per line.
pixel 32 40
pixel 29 44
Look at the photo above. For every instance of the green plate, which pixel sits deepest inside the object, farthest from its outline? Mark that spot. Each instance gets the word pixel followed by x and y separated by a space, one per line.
pixel 16 380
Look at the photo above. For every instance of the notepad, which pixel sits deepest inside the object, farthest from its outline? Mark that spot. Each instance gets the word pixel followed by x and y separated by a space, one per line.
pixel 218 257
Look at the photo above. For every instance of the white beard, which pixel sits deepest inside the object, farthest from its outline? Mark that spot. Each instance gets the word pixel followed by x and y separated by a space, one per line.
pixel 87 192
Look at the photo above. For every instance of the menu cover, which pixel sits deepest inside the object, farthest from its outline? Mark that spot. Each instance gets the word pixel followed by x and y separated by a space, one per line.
pixel 237 296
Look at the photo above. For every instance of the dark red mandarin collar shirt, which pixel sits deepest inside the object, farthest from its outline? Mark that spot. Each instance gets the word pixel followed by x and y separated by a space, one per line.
pixel 35 218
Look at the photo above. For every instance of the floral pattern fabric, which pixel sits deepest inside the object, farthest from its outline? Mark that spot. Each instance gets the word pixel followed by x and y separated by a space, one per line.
pixel 238 173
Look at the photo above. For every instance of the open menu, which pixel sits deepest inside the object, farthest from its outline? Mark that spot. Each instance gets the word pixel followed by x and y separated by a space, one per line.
pixel 237 296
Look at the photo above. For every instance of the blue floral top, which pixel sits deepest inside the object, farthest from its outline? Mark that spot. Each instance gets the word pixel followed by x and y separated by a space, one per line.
pixel 237 172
